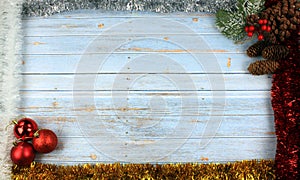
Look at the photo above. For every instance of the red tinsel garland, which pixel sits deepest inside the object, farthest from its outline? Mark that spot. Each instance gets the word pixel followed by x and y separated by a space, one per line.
pixel 286 105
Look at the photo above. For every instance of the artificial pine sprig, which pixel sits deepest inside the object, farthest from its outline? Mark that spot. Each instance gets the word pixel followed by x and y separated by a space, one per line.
pixel 232 23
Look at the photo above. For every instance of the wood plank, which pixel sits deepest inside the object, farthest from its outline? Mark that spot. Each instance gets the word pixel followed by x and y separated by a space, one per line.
pixel 228 63
pixel 231 126
pixel 83 14
pixel 146 82
pixel 58 112
pixel 235 103
pixel 94 25
pixel 78 150
pixel 147 43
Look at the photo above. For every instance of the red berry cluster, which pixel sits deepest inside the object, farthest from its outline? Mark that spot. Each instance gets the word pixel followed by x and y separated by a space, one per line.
pixel 42 141
pixel 260 28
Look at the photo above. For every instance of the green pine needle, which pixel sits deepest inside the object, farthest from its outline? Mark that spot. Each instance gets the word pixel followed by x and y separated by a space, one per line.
pixel 232 24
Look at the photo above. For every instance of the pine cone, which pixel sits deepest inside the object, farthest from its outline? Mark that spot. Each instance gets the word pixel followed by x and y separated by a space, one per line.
pixel 256 49
pixel 283 18
pixel 275 52
pixel 252 19
pixel 261 67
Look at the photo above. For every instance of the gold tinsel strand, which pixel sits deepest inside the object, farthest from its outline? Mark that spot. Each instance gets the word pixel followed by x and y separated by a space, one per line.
pixel 261 67
pixel 275 52
pixel 256 49
pixel 251 169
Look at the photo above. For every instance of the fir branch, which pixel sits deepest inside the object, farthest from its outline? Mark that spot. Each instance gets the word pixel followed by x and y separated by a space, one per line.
pixel 232 24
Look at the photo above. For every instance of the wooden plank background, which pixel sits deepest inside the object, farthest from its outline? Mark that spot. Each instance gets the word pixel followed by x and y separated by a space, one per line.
pixel 135 112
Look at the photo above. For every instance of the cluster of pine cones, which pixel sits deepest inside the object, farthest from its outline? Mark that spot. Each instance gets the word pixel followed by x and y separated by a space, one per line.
pixel 283 17
pixel 271 54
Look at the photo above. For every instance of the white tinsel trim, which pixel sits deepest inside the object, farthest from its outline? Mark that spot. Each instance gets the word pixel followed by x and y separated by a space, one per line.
pixel 10 48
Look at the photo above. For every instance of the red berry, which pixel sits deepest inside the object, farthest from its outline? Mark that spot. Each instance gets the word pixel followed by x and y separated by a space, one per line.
pixel 251 28
pixel 44 141
pixel 22 154
pixel 261 21
pixel 260 37
pixel 268 28
pixel 264 27
pixel 250 34
pixel 265 21
pixel 25 128
pixel 247 28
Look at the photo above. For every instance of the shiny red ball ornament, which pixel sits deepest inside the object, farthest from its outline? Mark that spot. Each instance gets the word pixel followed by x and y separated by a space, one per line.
pixel 250 34
pixel 247 28
pixel 251 28
pixel 268 28
pixel 22 154
pixel 44 141
pixel 263 27
pixel 25 128
pixel 260 37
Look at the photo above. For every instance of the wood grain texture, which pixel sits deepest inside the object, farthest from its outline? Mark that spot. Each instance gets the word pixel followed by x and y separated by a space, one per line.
pixel 148 92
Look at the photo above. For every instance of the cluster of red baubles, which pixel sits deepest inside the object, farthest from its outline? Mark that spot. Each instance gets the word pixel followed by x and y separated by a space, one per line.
pixel 30 140
pixel 262 26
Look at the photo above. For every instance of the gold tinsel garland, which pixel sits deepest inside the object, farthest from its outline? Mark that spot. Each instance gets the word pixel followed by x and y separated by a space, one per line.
pixel 252 169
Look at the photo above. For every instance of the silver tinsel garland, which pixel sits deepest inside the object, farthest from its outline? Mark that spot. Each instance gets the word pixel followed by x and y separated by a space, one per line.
pixel 49 7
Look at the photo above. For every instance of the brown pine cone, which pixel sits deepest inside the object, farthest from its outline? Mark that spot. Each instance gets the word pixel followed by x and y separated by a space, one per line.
pixel 275 52
pixel 256 49
pixel 252 19
pixel 283 18
pixel 261 67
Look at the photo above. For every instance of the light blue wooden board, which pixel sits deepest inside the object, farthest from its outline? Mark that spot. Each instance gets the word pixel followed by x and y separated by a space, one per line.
pixel 88 26
pixel 220 150
pixel 231 127
pixel 214 43
pixel 62 103
pixel 48 63
pixel 144 82
pixel 54 48
pixel 36 63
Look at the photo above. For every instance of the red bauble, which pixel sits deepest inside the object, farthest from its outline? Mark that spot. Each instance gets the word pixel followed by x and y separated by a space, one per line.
pixel 22 154
pixel 251 28
pixel 250 34
pixel 264 27
pixel 25 128
pixel 268 28
pixel 44 141
pixel 260 37
pixel 247 28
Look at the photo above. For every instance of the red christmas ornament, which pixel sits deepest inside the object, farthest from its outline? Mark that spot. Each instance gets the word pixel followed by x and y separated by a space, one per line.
pixel 260 37
pixel 22 154
pixel 263 27
pixel 268 28
pixel 247 28
pixel 250 34
pixel 25 128
pixel 44 141
pixel 251 28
